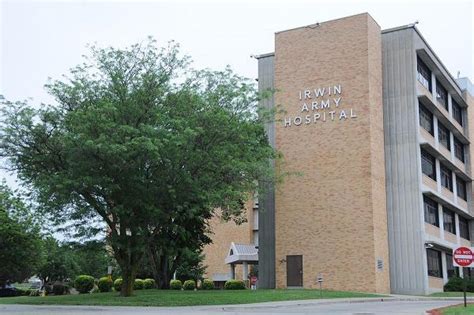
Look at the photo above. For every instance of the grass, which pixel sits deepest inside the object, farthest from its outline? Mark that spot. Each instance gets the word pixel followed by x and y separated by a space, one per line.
pixel 182 298
pixel 458 310
pixel 451 294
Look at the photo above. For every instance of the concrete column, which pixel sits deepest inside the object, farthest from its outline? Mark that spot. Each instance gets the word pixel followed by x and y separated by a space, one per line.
pixel 435 130
pixel 441 221
pixel 444 267
pixel 450 106
pixel 245 273
pixel 455 188
pixel 232 271
pixel 433 87
pixel 456 225
pixel 438 175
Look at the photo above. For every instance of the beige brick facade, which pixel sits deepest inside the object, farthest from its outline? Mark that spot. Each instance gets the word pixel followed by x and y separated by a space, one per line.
pixel 334 214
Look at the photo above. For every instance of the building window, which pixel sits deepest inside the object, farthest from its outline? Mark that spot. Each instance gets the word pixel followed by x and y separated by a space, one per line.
pixel 457 111
pixel 431 211
pixel 428 165
pixel 446 178
pixel 443 136
pixel 464 228
pixel 461 188
pixel 466 272
pixel 423 74
pixel 449 221
pixel 441 95
pixel 434 263
pixel 459 149
pixel 426 119
pixel 451 270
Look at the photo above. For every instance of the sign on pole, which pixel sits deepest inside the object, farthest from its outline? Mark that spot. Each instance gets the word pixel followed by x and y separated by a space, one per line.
pixel 463 257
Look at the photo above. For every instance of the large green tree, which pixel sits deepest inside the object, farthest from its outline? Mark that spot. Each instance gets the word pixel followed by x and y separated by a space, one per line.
pixel 143 142
pixel 21 251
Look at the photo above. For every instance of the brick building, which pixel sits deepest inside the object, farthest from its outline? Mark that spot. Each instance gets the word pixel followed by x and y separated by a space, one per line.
pixel 379 132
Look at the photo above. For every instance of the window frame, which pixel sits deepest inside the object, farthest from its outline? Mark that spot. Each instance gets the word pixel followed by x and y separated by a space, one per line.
pixel 426 157
pixel 442 129
pixel 423 112
pixel 459 155
pixel 431 259
pixel 451 270
pixel 429 205
pixel 423 74
pixel 460 183
pixel 447 213
pixel 442 170
pixel 464 233
pixel 442 97
pixel 457 111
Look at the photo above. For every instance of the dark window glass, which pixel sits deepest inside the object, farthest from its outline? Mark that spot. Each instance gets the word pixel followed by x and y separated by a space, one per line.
pixel 451 270
pixel 446 178
pixel 461 188
pixel 464 228
pixel 466 272
pixel 457 111
pixel 459 149
pixel 431 211
pixel 443 136
pixel 434 263
pixel 426 119
pixel 423 74
pixel 442 95
pixel 428 165
pixel 449 221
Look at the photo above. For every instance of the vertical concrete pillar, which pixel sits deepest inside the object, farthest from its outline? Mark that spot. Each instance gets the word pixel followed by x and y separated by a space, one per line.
pixel 232 271
pixel 245 272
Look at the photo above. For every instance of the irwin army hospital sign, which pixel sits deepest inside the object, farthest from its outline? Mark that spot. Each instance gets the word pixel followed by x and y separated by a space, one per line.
pixel 320 105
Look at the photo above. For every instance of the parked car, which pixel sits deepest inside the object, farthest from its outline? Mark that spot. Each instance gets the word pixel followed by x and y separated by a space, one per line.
pixel 8 291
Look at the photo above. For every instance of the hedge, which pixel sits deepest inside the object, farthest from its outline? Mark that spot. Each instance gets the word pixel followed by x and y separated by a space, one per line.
pixel 138 284
pixel 148 284
pixel 118 284
pixel 105 284
pixel 189 285
pixel 234 285
pixel 175 285
pixel 207 284
pixel 84 283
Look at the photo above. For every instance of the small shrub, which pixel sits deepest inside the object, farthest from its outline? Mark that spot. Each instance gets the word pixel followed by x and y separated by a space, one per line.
pixel 105 284
pixel 454 284
pixel 84 283
pixel 148 284
pixel 207 284
pixel 234 285
pixel 118 284
pixel 59 288
pixel 138 284
pixel 35 293
pixel 175 285
pixel 189 285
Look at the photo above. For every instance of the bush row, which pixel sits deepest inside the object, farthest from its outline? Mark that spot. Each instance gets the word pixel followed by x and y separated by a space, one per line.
pixel 139 284
pixel 457 284
pixel 206 285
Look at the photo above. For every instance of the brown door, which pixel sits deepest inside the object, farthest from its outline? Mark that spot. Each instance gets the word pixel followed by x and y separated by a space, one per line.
pixel 294 271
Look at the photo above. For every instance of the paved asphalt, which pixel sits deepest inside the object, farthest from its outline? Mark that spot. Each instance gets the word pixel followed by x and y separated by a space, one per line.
pixel 317 307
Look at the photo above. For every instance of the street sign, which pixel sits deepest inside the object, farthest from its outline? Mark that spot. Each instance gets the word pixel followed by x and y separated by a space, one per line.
pixel 463 257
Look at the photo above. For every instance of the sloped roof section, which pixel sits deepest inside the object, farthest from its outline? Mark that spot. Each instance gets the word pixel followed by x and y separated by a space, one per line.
pixel 239 253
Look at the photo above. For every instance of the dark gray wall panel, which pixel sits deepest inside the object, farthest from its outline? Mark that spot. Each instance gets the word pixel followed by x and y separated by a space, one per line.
pixel 266 220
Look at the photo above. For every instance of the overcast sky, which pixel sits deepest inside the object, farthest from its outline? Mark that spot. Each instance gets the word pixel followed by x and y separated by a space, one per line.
pixel 44 39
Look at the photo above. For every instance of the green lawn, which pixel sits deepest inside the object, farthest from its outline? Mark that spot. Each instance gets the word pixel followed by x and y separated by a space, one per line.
pixel 458 310
pixel 451 294
pixel 183 298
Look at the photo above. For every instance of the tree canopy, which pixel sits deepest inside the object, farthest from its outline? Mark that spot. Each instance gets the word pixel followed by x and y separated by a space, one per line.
pixel 145 143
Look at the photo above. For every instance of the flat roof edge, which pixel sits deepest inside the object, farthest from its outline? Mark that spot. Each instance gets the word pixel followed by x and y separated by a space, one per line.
pixel 264 55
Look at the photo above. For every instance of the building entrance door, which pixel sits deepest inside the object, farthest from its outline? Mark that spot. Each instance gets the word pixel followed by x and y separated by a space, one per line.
pixel 294 271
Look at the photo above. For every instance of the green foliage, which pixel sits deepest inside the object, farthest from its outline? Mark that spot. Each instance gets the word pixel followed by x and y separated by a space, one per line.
pixel 105 284
pixel 35 293
pixel 454 284
pixel 84 283
pixel 207 284
pixel 59 264
pixel 148 284
pixel 138 284
pixel 118 284
pixel 20 242
pixel 176 285
pixel 189 285
pixel 234 285
pixel 142 143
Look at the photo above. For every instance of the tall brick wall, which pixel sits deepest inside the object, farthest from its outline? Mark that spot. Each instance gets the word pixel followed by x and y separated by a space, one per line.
pixel 334 212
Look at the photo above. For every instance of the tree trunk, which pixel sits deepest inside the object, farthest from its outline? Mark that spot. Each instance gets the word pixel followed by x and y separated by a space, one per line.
pixel 128 276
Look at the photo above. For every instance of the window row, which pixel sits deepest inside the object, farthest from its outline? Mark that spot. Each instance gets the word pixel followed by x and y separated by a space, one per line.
pixel 424 77
pixel 435 266
pixel 449 218
pixel 428 167
pixel 426 121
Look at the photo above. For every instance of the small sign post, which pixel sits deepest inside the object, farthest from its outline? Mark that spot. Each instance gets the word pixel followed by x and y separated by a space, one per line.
pixel 463 257
pixel 319 279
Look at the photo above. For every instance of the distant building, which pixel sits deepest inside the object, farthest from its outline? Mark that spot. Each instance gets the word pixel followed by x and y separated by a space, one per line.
pixel 380 133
